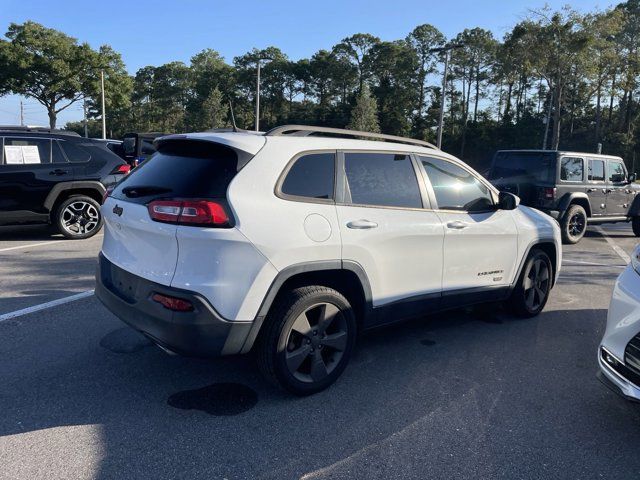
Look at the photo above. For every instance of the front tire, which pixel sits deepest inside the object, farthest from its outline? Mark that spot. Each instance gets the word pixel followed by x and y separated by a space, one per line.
pixel 78 217
pixel 574 224
pixel 307 340
pixel 635 224
pixel 532 291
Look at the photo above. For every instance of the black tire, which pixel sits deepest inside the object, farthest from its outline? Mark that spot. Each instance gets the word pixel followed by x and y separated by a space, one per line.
pixel 321 357
pixel 532 291
pixel 635 224
pixel 574 224
pixel 78 217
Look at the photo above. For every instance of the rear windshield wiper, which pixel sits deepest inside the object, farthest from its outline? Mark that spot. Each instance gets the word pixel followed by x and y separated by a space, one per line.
pixel 144 190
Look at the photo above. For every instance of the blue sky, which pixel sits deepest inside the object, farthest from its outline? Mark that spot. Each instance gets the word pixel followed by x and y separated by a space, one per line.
pixel 153 33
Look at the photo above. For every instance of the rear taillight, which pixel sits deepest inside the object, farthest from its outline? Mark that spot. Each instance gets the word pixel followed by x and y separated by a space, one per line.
pixel 172 303
pixel 549 193
pixel 189 212
pixel 121 169
pixel 107 194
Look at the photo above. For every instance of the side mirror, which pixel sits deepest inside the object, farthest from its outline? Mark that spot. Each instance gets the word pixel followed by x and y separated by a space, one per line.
pixel 632 177
pixel 508 201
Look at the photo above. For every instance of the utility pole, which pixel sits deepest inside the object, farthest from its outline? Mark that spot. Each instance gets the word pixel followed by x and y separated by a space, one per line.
pixel 84 111
pixel 446 49
pixel 259 60
pixel 547 121
pixel 104 119
pixel 21 114
pixel 258 98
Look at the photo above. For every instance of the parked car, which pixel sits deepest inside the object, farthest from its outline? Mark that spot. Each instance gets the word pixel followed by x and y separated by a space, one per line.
pixel 55 177
pixel 574 188
pixel 291 244
pixel 137 147
pixel 116 146
pixel 619 352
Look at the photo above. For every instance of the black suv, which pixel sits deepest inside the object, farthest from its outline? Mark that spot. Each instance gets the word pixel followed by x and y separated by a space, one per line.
pixel 574 188
pixel 55 177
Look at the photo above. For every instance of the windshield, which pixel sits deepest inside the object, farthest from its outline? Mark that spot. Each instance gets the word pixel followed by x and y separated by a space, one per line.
pixel 524 166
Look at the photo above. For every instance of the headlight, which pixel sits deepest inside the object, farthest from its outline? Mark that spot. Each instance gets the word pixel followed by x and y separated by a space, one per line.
pixel 635 259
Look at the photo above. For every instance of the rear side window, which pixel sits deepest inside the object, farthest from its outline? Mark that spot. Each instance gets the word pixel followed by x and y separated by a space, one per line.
pixel 596 170
pixel 311 176
pixel 26 151
pixel 382 179
pixel 455 188
pixel 75 153
pixel 181 169
pixel 571 169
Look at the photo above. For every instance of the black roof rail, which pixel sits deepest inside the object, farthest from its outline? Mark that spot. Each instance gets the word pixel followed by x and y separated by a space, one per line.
pixel 306 130
pixel 36 129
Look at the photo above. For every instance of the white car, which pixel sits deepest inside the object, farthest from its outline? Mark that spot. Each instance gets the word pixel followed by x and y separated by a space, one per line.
pixel 619 352
pixel 291 244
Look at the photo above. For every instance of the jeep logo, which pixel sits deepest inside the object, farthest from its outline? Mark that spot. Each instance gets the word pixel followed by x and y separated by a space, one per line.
pixel 117 210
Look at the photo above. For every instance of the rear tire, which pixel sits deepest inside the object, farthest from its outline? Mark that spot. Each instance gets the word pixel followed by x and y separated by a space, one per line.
pixel 307 339
pixel 635 224
pixel 78 217
pixel 532 291
pixel 574 224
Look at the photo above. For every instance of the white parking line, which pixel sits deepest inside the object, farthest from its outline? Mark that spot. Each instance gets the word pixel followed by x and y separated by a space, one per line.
pixel 30 246
pixel 621 253
pixel 43 306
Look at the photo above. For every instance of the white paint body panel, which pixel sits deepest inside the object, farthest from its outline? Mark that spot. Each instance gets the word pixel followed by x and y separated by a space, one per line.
pixel 402 256
pixel 137 244
pixel 623 323
pixel 487 243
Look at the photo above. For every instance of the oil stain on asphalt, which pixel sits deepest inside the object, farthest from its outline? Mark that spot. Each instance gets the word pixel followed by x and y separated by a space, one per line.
pixel 124 340
pixel 219 399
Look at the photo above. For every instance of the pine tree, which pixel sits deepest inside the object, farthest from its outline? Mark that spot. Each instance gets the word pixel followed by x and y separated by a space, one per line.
pixel 364 116
pixel 214 110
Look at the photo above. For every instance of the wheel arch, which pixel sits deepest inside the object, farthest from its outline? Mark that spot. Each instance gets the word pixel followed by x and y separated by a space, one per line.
pixel 549 247
pixel 575 198
pixel 64 190
pixel 347 277
pixel 634 209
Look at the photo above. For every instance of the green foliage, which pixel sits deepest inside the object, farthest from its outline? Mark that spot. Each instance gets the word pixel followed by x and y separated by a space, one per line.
pixel 364 116
pixel 581 71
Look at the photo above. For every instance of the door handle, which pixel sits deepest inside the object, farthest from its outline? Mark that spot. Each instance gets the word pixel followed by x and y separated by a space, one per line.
pixel 58 171
pixel 361 224
pixel 457 225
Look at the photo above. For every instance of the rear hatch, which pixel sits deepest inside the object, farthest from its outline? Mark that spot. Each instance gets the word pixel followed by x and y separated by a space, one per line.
pixel 525 174
pixel 185 182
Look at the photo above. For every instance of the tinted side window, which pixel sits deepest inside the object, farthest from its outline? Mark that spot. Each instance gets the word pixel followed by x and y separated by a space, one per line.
pixel 616 172
pixel 596 170
pixel 382 179
pixel 455 188
pixel 571 169
pixel 311 176
pixel 75 153
pixel 24 151
pixel 56 153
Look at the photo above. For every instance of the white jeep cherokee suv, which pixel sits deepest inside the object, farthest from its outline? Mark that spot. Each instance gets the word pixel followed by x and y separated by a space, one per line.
pixel 291 244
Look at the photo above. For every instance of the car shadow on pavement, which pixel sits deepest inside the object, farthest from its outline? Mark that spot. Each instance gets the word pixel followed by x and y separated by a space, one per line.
pixel 445 396
pixel 29 232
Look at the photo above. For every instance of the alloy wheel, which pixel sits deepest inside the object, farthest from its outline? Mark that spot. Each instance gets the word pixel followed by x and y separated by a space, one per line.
pixel 577 224
pixel 316 342
pixel 80 218
pixel 536 284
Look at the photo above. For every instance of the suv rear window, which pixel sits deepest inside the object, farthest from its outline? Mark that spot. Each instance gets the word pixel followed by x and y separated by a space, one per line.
pixel 182 169
pixel 311 176
pixel 525 166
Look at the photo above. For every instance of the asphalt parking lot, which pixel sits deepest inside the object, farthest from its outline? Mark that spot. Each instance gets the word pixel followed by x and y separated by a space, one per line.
pixel 465 394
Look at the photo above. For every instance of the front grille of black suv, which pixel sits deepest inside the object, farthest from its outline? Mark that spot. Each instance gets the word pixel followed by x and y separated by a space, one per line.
pixel 632 355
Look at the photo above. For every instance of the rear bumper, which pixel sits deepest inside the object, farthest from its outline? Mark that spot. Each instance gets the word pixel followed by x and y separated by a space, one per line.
pixel 200 333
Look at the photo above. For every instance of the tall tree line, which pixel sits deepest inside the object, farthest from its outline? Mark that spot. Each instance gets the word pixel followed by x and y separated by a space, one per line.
pixel 558 79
